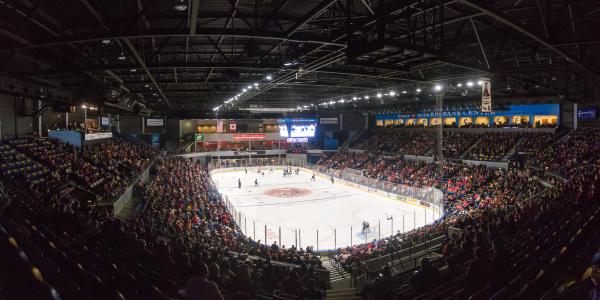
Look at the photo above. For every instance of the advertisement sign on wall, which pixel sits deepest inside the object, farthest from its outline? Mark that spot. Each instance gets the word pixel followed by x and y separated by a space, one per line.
pixel 249 137
pixel 328 120
pixel 587 113
pixel 97 136
pixel 297 140
pixel 154 122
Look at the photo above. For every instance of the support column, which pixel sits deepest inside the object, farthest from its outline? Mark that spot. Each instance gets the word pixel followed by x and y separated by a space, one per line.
pixel 67 121
pixel 40 118
pixel 439 107
pixel 143 124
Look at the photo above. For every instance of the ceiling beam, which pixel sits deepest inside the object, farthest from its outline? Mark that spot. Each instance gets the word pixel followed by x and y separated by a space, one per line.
pixel 171 32
pixel 506 20
pixel 141 62
pixel 194 7
pixel 127 67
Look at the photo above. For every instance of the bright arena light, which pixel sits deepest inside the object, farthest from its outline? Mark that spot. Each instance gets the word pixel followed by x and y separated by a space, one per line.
pixel 379 95
pixel 459 84
pixel 269 77
pixel 469 83
pixel 418 90
pixel 392 93
pixel 367 97
pixel 244 90
pixel 479 82
pixel 437 88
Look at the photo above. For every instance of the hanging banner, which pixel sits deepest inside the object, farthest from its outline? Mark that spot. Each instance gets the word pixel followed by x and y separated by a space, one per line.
pixel 232 126
pixel 486 95
pixel 220 124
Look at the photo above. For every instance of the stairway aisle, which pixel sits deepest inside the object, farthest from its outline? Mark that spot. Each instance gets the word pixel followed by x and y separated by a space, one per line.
pixel 341 285
pixel 512 150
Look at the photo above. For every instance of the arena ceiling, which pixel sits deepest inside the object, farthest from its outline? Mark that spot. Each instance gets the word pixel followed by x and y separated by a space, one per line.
pixel 189 56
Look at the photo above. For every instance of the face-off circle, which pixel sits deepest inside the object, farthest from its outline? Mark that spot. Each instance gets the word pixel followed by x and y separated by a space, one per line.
pixel 287 192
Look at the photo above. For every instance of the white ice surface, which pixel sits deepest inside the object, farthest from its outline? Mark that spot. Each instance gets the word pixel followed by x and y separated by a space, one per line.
pixel 335 210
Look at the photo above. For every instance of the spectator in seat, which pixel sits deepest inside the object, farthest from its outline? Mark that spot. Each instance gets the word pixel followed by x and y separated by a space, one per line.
pixel 274 247
pixel 500 264
pixel 215 275
pixel 199 287
pixel 242 282
pixel 479 269
pixel 291 284
pixel 425 277
pixel 312 291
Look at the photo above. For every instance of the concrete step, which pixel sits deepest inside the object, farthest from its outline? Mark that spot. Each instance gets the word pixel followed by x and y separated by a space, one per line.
pixel 343 293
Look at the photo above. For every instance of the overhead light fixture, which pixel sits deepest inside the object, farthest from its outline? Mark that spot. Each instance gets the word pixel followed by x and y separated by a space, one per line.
pixel 469 83
pixel 341 101
pixel 479 82
pixel 155 94
pixel 216 108
pixel 459 84
pixel 404 92
pixel 437 87
pixel 146 85
pixel 354 98
pixel 367 97
pixel 392 93
pixel 269 77
pixel 379 95
pixel 105 42
pixel 83 106
pixel 122 56
pixel 418 90
pixel 180 5
pixel 244 90
pixel 287 64
pixel 255 84
pixel 132 70
pixel 249 87
pixel 331 102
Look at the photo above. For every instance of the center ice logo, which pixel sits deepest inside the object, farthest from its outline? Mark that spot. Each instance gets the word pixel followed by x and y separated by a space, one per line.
pixel 287 192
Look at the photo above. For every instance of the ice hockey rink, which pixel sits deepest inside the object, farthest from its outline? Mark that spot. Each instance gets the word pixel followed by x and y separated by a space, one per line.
pixel 295 210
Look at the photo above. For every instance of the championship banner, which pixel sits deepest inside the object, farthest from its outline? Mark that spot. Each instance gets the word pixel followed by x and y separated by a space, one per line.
pixel 220 124
pixel 486 95
pixel 232 126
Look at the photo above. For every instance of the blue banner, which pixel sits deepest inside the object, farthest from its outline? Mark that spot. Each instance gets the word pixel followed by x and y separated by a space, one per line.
pixel 587 113
pixel 513 110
